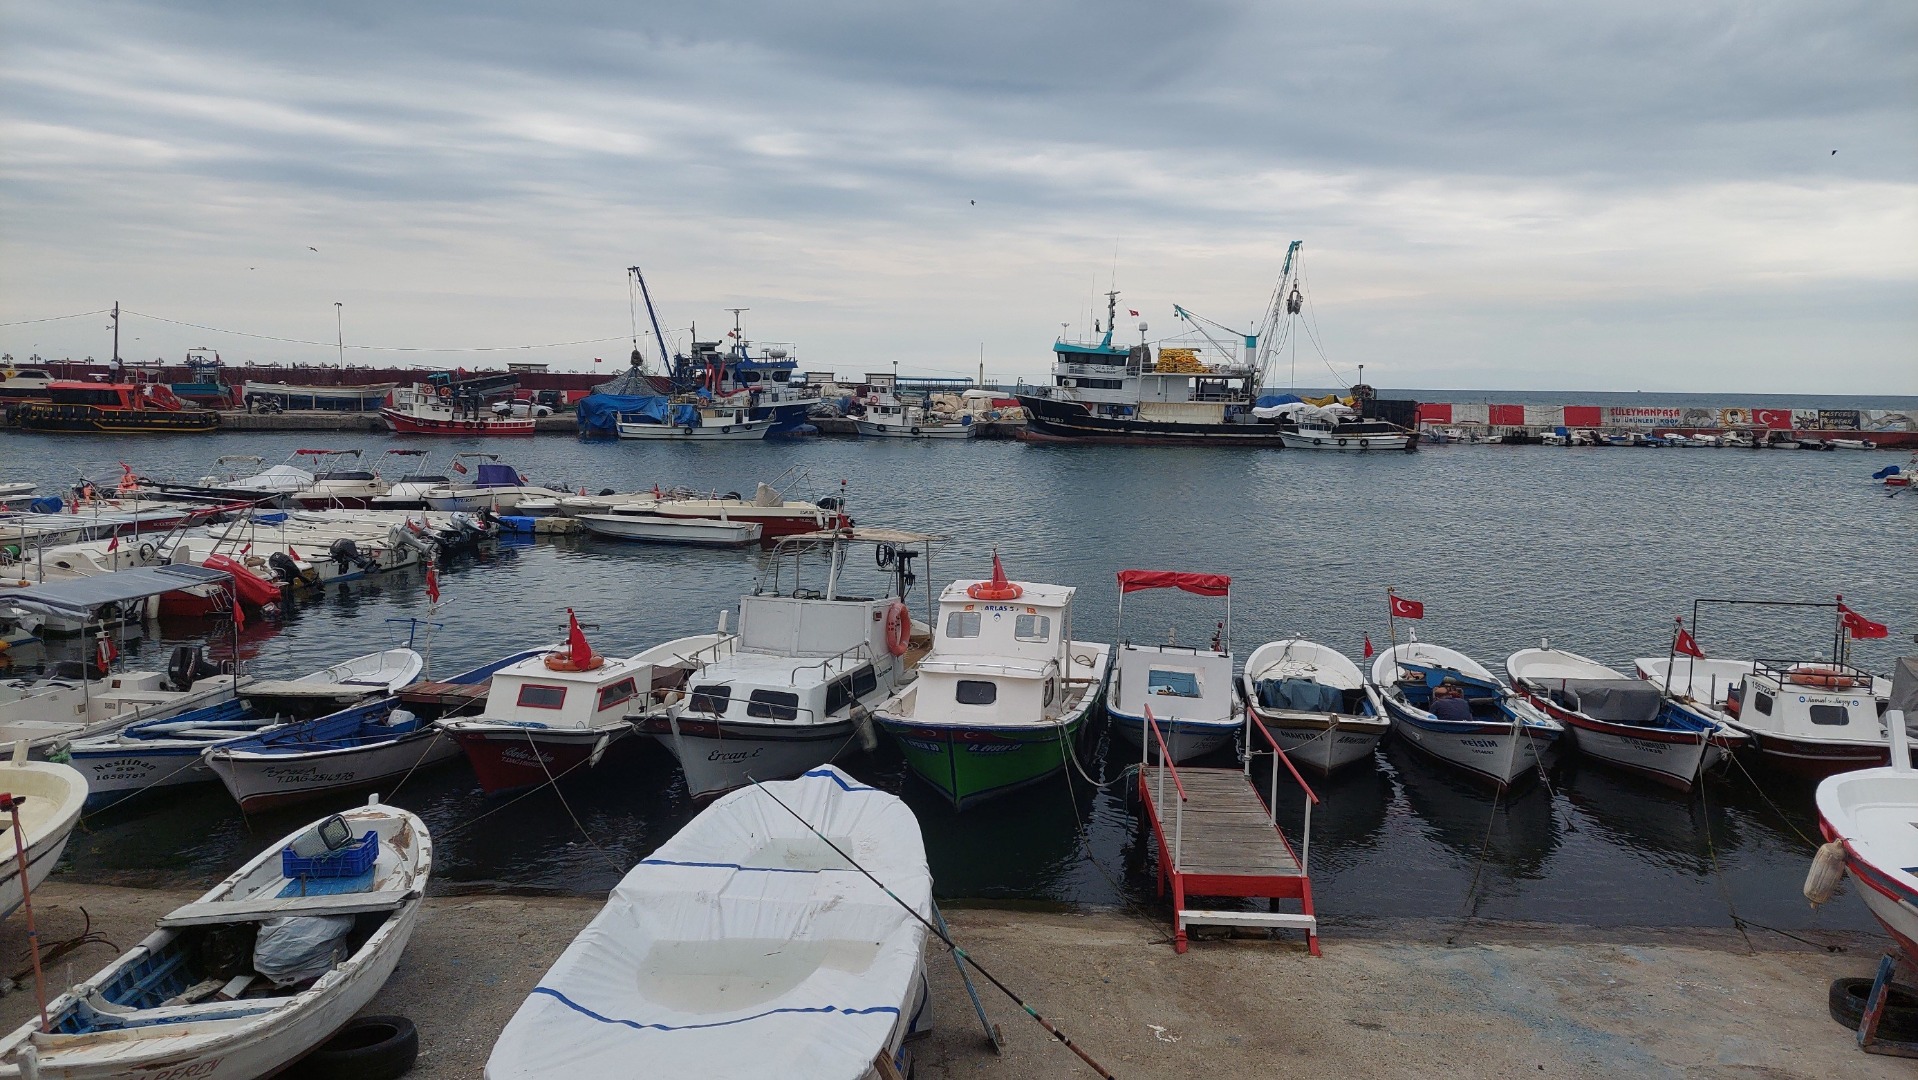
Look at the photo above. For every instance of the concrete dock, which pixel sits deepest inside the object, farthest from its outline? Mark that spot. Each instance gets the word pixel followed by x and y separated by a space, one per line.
pixel 1386 1001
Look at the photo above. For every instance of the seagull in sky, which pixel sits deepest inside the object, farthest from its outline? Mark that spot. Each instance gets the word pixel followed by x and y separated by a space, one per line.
pixel 316 250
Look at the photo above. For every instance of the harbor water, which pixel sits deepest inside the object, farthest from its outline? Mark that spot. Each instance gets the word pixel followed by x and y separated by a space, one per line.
pixel 1597 549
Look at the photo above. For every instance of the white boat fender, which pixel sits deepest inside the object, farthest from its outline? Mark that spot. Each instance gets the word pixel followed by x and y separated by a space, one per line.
pixel 1827 870
pixel 862 722
pixel 398 718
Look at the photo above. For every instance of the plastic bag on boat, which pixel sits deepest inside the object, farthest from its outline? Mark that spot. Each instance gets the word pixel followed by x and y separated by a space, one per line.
pixel 301 948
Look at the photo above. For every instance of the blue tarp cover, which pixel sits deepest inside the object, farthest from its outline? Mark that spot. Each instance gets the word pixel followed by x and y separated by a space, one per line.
pixel 599 414
pixel 1302 695
pixel 1266 401
pixel 496 475
pixel 686 416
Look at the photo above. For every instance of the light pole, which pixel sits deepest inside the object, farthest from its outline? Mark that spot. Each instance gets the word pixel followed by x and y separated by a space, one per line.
pixel 339 331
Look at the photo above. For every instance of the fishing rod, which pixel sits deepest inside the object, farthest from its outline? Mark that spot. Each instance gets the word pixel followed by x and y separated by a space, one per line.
pixel 951 945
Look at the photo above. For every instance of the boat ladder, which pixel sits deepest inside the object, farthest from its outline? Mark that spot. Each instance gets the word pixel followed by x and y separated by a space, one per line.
pixel 1217 837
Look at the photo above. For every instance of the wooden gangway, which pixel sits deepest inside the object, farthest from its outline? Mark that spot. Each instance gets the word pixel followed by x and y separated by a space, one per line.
pixel 1217 837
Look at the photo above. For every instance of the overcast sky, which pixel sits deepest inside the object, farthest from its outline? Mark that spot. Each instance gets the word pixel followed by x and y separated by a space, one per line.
pixel 1616 196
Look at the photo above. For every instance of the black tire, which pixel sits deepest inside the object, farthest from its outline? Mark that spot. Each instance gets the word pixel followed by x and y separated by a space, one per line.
pixel 1899 1020
pixel 368 1048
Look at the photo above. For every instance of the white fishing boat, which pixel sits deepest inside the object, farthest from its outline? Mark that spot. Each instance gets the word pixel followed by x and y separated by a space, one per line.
pixel 1345 432
pixel 1187 688
pixel 1315 702
pixel 1001 701
pixel 494 487
pixel 1446 705
pixel 51 796
pixel 698 422
pixel 561 707
pixel 651 528
pixel 887 417
pixel 1812 717
pixel 1873 814
pixel 1620 720
pixel 356 748
pixel 775 514
pixel 167 752
pixel 815 652
pixel 746 946
pixel 206 997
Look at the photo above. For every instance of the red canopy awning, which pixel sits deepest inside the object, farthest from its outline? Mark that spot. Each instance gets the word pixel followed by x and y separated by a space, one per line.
pixel 1199 584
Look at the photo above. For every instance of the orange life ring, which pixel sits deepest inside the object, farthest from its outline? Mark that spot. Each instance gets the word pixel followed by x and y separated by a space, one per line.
pixel 559 661
pixel 986 590
pixel 1824 677
pixel 898 629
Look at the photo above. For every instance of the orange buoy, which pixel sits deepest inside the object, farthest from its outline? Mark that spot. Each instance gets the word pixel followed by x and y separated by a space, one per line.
pixel 998 588
pixel 1822 677
pixel 898 628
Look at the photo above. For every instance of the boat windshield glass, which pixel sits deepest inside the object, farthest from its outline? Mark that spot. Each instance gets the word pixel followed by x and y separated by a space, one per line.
pixel 962 624
pixel 1033 628
pixel 1172 683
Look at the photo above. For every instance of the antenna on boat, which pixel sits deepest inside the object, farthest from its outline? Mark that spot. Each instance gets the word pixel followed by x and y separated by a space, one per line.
pixel 944 937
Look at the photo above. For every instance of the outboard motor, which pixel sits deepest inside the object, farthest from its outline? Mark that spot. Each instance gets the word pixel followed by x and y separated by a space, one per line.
pixel 346 555
pixel 188 665
pixel 403 538
pixel 285 570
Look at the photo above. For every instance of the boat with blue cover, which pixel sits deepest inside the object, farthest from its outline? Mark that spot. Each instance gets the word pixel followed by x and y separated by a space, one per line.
pixel 1447 705
pixel 254 974
pixel 1626 722
pixel 354 748
pixel 1315 702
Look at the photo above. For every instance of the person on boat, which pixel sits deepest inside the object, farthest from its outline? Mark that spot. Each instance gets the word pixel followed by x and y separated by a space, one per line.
pixel 1448 701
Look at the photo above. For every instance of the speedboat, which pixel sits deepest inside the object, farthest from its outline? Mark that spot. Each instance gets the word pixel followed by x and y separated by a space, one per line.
pixel 350 487
pixel 167 752
pixel 560 707
pixel 255 973
pixel 747 946
pixel 494 487
pixel 1315 702
pixel 815 653
pixel 1620 720
pixel 1001 701
pixel 1873 814
pixel 644 526
pixel 1186 690
pixel 775 514
pixel 1813 717
pixel 50 797
pixel 1488 731
pixel 409 491
pixel 355 748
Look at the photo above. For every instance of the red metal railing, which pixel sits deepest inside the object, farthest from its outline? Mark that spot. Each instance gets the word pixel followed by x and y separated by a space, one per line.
pixel 1166 764
pixel 1252 721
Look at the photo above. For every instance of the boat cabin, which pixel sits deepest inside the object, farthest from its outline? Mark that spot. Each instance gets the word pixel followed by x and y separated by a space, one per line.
pixel 1822 702
pixel 1176 682
pixel 997 658
pixel 532 694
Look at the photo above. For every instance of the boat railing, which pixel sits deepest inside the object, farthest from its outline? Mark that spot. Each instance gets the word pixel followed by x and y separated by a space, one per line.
pixel 1166 765
pixel 859 652
pixel 1253 721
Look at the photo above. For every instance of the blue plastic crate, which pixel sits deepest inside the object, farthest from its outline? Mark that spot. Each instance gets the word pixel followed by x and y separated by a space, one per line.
pixel 349 861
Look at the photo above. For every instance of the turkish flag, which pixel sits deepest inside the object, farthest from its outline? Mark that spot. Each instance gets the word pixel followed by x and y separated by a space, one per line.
pixel 1406 609
pixel 459 468
pixel 578 651
pixel 107 652
pixel 1134 314
pixel 1368 645
pixel 1773 419
pixel 1687 645
pixel 1860 627
pixel 432 584
pixel 114 544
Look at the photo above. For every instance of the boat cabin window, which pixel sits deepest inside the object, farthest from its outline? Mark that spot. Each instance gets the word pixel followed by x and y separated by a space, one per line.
pixel 850 688
pixel 1052 691
pixel 1032 628
pixel 782 375
pixel 610 696
pixel 747 377
pixel 864 681
pixel 976 692
pixel 962 624
pixel 534 696
pixel 712 698
pixel 1762 702
pixel 773 705
pixel 1172 684
pixel 1832 715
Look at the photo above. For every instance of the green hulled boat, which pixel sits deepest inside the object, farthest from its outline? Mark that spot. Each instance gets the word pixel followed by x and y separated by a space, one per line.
pixel 1005 694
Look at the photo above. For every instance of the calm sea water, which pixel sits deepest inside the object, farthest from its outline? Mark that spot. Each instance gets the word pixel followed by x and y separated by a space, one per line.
pixel 1596 548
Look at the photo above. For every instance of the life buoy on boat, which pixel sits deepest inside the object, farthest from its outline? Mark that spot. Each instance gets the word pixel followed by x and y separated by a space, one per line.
pixel 559 661
pixel 898 628
pixel 1365 444
pixel 915 431
pixel 1341 442
pixel 1821 676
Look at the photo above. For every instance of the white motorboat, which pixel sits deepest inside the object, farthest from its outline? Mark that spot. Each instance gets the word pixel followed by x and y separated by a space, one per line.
pixel 51 796
pixel 1873 813
pixel 1315 702
pixel 1851 444
pixel 1486 729
pixel 560 707
pixel 639 525
pixel 746 946
pixel 1186 688
pixel 409 491
pixel 887 417
pixel 16 490
pixel 1620 720
pixel 697 422
pixel 1346 434
pixel 775 514
pixel 167 752
pixel 494 487
pixel 338 484
pixel 815 653
pixel 1812 717
pixel 1002 699
pixel 205 997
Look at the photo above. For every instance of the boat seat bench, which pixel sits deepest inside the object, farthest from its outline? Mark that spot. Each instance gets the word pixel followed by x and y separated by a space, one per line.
pixel 259 910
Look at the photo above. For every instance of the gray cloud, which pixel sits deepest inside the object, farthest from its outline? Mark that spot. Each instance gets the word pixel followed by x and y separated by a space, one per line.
pixel 1487 194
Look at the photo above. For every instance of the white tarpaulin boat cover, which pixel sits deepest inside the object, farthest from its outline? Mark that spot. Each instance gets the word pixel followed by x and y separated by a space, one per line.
pixel 743 947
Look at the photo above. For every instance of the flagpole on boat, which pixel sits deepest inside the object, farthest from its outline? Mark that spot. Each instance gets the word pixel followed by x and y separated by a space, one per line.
pixel 1392 628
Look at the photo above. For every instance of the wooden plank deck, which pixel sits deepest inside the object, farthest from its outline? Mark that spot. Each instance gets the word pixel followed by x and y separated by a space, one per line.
pixel 1226 830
